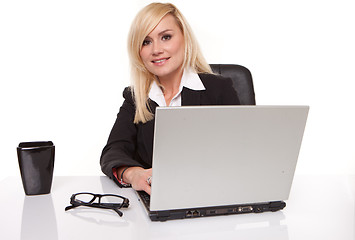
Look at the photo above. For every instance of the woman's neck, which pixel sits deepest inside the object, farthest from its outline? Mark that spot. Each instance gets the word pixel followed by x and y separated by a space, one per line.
pixel 171 84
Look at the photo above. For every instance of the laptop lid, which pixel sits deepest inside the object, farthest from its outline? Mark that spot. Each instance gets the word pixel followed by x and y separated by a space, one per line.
pixel 208 156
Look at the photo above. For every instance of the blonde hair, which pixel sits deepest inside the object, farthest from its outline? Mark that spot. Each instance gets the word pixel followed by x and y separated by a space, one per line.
pixel 144 23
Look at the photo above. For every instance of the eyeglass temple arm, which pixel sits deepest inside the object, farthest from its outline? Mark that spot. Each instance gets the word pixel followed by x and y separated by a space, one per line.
pixel 118 212
pixel 70 207
pixel 115 209
pixel 109 206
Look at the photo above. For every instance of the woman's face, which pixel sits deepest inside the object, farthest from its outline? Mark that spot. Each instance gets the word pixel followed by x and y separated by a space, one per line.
pixel 163 49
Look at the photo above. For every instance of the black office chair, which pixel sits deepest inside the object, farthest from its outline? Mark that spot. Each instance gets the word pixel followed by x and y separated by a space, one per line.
pixel 242 81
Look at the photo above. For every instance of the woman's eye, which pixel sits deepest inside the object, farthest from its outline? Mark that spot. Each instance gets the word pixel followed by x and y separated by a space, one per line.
pixel 146 42
pixel 166 37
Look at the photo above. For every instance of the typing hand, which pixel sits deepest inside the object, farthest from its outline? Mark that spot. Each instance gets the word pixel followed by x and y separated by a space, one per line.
pixel 138 177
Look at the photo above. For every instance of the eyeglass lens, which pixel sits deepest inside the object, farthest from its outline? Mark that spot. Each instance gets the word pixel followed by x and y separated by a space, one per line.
pixel 90 198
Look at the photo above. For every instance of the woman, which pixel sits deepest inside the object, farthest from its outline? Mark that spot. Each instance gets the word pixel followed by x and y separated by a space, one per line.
pixel 168 69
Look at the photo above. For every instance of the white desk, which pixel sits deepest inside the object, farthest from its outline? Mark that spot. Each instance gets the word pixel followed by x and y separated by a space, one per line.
pixel 320 207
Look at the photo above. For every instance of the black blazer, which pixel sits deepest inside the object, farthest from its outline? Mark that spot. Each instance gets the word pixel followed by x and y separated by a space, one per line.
pixel 131 144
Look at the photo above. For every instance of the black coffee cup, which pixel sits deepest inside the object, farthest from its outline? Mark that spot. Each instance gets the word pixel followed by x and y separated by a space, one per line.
pixel 36 161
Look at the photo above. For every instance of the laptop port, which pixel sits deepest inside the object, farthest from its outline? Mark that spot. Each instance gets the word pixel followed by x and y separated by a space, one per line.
pixel 212 212
pixel 189 214
pixel 245 209
pixel 195 213
pixel 258 209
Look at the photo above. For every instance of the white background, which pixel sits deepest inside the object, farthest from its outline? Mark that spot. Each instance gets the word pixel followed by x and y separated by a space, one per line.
pixel 64 64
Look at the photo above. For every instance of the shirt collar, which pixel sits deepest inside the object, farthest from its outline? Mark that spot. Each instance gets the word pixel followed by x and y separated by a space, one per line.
pixel 190 79
pixel 156 94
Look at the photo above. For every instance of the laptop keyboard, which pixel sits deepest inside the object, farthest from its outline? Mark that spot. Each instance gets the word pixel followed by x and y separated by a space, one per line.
pixel 145 198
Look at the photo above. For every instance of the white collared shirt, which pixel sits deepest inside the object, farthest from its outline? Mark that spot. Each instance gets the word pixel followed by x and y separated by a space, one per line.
pixel 189 79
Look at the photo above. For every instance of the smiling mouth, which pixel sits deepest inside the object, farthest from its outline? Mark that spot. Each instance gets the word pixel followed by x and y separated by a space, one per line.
pixel 161 60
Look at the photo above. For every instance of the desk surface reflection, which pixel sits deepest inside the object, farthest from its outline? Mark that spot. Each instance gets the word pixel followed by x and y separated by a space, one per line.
pixel 319 207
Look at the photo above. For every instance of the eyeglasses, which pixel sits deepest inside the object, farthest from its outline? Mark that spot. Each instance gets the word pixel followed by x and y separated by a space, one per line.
pixel 106 201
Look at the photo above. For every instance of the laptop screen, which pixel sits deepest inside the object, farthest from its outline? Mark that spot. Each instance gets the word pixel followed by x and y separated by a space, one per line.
pixel 221 155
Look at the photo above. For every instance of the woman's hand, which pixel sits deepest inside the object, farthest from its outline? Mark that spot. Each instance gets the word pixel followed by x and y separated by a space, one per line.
pixel 138 177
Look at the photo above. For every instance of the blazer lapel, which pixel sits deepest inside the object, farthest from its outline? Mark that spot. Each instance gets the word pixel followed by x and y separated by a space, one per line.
pixel 190 97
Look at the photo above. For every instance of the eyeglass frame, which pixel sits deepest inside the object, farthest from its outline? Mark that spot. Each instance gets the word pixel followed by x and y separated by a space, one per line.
pixel 113 206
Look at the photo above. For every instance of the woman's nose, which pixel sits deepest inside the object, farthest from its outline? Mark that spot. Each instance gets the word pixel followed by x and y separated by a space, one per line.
pixel 157 48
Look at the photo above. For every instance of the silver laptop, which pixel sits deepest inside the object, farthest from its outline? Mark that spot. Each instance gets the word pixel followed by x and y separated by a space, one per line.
pixel 217 160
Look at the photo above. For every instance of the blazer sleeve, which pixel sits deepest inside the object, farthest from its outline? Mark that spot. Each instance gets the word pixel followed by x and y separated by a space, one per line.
pixel 121 145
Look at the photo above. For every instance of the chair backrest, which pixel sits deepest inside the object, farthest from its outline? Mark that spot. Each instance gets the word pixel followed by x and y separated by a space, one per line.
pixel 242 81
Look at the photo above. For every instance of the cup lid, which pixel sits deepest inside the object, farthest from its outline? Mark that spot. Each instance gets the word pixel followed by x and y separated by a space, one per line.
pixel 35 144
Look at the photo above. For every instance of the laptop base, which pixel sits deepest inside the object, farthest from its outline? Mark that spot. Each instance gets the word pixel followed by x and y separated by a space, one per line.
pixel 209 211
